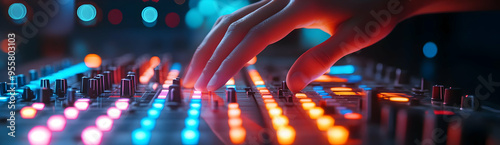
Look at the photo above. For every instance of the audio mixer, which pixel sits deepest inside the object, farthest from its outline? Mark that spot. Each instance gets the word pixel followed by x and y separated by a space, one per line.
pixel 140 100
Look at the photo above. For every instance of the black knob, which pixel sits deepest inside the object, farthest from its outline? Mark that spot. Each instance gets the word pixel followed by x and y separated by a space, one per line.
pixel 45 95
pixel 28 94
pixel 133 83
pixel 452 96
pixel 100 84
pixel 231 95
pixel 157 74
pixel 107 80
pixel 174 93
pixel 112 78
pixel 125 90
pixel 61 86
pixel 85 85
pixel 92 90
pixel 3 88
pixel 78 77
pixel 45 83
pixel 71 97
pixel 177 81
pixel 33 75
pixel 21 80
pixel 437 92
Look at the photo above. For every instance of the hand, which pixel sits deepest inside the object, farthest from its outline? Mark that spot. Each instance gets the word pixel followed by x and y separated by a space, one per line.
pixel 352 24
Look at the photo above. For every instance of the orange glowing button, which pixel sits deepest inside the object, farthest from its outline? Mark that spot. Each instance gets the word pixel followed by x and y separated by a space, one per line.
pixel 28 112
pixel 345 93
pixel 316 112
pixel 327 78
pixel 267 96
pixel 353 116
pixel 237 135
pixel 385 95
pixel 398 99
pixel 340 89
pixel 233 105
pixel 259 82
pixel 279 121
pixel 230 82
pixel 235 122
pixel 305 100
pixel 271 105
pixel 234 113
pixel 286 135
pixel 252 61
pixel 325 122
pixel 338 135
pixel 264 91
pixel 93 60
pixel 154 61
pixel 275 112
pixel 269 101
pixel 308 105
pixel 300 95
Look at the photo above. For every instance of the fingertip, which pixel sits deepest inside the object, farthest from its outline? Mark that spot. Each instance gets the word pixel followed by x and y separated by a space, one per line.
pixel 200 87
pixel 296 81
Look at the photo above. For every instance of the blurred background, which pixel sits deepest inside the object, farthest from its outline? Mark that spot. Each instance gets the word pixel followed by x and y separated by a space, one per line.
pixel 454 49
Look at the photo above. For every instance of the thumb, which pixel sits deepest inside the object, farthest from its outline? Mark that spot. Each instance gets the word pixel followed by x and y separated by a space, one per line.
pixel 317 60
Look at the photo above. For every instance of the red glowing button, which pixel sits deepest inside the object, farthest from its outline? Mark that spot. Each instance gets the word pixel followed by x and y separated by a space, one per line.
pixel 104 123
pixel 28 112
pixel 56 123
pixel 443 112
pixel 91 136
pixel 39 135
pixel 352 116
pixel 71 113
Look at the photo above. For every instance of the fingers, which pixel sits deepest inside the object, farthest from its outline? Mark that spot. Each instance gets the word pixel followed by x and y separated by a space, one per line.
pixel 263 34
pixel 207 47
pixel 234 35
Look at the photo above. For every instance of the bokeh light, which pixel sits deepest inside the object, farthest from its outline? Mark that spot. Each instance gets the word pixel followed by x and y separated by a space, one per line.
pixel 115 16
pixel 430 49
pixel 208 7
pixel 179 2
pixel 92 60
pixel 17 11
pixel 194 19
pixel 149 14
pixel 5 45
pixel 172 20
pixel 86 12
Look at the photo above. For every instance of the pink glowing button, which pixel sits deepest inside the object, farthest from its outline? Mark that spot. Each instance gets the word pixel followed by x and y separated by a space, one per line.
pixel 123 100
pixel 104 123
pixel 38 106
pixel 91 136
pixel 56 123
pixel 81 105
pixel 83 100
pixel 122 105
pixel 114 113
pixel 71 113
pixel 39 135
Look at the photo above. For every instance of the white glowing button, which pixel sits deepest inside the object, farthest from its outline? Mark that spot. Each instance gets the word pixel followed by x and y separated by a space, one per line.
pixel 56 123
pixel 38 106
pixel 104 123
pixel 114 113
pixel 81 105
pixel 122 105
pixel 197 93
pixel 71 113
pixel 196 97
pixel 39 135
pixel 91 136
pixel 28 112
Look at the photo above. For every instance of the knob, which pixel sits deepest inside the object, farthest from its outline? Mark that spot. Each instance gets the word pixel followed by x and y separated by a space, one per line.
pixel 45 95
pixel 94 72
pixel 61 86
pixel 78 77
pixel 85 85
pixel 21 80
pixel 112 72
pixel 437 92
pixel 107 80
pixel 402 77
pixel 471 102
pixel 231 95
pixel 174 93
pixel 133 83
pixel 99 84
pixel 282 89
pixel 71 97
pixel 45 83
pixel 28 94
pixel 92 90
pixel 125 90
pixel 177 81
pixel 3 88
pixel 157 74
pixel 372 108
pixel 33 75
pixel 452 96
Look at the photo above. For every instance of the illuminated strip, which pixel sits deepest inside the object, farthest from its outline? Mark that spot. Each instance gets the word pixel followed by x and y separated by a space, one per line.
pixel 190 134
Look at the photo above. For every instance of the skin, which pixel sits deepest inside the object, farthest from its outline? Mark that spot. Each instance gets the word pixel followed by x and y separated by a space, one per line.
pixel 352 24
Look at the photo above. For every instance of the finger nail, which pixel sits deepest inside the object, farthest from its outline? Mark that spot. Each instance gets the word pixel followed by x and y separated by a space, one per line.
pixel 212 83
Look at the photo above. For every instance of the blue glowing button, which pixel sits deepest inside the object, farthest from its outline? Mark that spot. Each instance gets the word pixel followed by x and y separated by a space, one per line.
pixel 17 11
pixel 159 100
pixel 149 14
pixel 316 88
pixel 344 111
pixel 320 91
pixel 260 86
pixel 230 86
pixel 141 136
pixel 190 136
pixel 86 12
pixel 323 94
pixel 195 105
pixel 153 113
pixel 326 97
pixel 195 100
pixel 193 113
pixel 342 69
pixel 192 123
pixel 158 105
pixel 148 123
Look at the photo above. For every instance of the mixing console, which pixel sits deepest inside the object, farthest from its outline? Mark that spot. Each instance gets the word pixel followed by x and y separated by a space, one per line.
pixel 140 100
